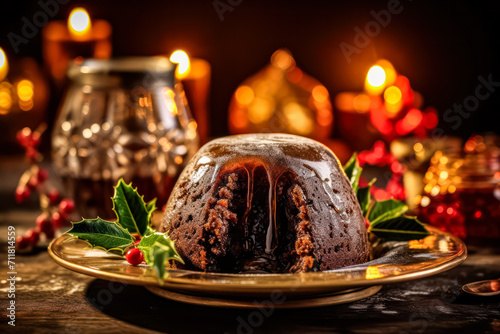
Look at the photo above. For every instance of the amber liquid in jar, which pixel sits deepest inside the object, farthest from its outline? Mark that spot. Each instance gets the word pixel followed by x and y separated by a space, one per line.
pixel 93 198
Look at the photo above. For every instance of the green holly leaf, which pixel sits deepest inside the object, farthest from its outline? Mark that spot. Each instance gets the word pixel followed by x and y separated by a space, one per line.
pixel 157 256
pixel 158 248
pixel 353 171
pixel 149 231
pixel 103 234
pixel 385 217
pixel 403 228
pixel 385 210
pixel 151 208
pixel 130 208
pixel 364 197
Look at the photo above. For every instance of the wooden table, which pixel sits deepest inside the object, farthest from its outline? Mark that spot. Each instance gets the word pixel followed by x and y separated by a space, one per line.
pixel 51 299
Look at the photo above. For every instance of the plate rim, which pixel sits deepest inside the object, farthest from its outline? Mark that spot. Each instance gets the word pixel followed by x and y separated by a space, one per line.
pixel 341 297
pixel 180 284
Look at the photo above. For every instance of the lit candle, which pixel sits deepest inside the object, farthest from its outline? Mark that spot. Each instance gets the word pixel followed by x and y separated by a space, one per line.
pixel 4 65
pixel 380 76
pixel 79 24
pixel 79 37
pixel 194 74
pixel 388 108
pixel 181 58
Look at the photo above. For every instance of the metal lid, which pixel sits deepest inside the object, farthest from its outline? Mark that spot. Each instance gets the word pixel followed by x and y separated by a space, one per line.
pixel 116 71
pixel 124 65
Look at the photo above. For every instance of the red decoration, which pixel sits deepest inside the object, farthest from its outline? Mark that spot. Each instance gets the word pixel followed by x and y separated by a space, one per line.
pixel 134 256
pixel 55 212
pixel 379 156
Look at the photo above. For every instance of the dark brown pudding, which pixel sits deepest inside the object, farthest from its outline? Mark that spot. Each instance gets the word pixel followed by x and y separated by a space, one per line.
pixel 265 202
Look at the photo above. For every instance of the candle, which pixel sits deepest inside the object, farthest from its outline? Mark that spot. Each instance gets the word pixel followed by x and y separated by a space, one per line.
pixel 194 74
pixel 4 65
pixel 388 108
pixel 79 37
pixel 79 24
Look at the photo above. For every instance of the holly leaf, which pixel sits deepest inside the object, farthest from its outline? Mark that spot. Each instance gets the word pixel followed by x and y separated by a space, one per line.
pixel 385 210
pixel 151 208
pixel 130 208
pixel 149 231
pixel 353 171
pixel 157 256
pixel 403 228
pixel 364 197
pixel 103 234
pixel 158 248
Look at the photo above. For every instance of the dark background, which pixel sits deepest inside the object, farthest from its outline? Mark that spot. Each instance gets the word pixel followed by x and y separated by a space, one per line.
pixel 441 46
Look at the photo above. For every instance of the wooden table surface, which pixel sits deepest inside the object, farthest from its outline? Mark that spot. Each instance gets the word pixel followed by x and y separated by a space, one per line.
pixel 51 299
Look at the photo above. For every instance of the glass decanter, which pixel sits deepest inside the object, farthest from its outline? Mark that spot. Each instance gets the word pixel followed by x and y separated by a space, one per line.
pixel 122 118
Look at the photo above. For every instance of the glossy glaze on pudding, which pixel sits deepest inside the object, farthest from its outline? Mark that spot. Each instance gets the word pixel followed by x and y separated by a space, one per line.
pixel 265 203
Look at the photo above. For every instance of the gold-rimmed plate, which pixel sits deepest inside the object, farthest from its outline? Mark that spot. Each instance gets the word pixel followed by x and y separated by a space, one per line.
pixel 393 262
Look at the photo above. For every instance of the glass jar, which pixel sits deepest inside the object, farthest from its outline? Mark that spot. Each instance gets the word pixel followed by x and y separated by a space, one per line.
pixel 123 118
pixel 415 154
pixel 462 192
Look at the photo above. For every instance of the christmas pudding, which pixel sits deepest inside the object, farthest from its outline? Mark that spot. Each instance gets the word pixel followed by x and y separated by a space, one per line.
pixel 271 203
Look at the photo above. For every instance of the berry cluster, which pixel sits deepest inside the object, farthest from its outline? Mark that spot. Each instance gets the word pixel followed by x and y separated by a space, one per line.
pixel 46 224
pixel 30 140
pixel 55 210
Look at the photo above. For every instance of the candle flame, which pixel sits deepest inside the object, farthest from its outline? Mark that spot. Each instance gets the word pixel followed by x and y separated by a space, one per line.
pixel 382 74
pixel 79 23
pixel 4 65
pixel 376 76
pixel 180 57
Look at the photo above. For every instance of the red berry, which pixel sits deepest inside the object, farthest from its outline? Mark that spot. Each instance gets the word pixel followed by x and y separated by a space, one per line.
pixel 24 136
pixel 57 220
pixel 33 182
pixel 33 236
pixel 367 222
pixel 43 175
pixel 134 256
pixel 66 207
pixel 43 222
pixel 35 138
pixel 22 243
pixel 53 196
pixel 22 193
pixel 31 153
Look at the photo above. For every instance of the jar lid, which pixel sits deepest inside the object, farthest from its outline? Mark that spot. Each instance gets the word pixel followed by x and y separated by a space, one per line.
pixel 124 72
pixel 122 65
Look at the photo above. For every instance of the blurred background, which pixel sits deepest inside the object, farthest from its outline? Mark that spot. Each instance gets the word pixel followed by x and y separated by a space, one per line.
pixel 412 85
pixel 442 47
